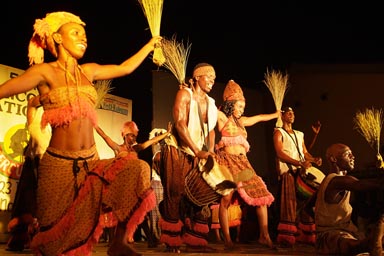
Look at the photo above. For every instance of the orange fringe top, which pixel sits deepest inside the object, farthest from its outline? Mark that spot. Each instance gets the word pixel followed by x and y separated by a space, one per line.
pixel 65 104
pixel 232 134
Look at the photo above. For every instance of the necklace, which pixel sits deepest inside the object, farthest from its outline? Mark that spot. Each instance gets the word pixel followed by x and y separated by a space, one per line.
pixel 76 78
pixel 68 76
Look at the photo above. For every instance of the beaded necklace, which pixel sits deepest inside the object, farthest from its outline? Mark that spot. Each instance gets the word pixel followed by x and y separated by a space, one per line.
pixel 76 79
pixel 78 71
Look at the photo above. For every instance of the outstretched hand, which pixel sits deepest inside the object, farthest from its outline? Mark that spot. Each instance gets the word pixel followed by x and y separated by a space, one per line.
pixel 169 127
pixel 318 161
pixel 316 127
pixel 379 161
pixel 155 42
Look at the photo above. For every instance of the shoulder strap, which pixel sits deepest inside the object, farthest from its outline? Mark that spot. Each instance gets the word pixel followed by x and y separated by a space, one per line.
pixel 295 141
pixel 206 142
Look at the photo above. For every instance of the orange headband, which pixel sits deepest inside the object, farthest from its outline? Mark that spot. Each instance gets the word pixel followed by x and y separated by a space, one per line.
pixel 205 70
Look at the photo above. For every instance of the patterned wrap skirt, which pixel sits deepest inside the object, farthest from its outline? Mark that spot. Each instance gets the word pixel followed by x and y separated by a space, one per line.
pixel 252 189
pixel 76 189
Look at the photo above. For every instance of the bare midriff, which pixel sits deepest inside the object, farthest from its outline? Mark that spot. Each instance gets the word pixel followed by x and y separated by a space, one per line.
pixel 235 150
pixel 77 135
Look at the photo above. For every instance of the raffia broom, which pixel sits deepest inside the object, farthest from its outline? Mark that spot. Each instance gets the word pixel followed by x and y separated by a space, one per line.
pixel 369 123
pixel 153 10
pixel 277 84
pixel 176 57
pixel 103 87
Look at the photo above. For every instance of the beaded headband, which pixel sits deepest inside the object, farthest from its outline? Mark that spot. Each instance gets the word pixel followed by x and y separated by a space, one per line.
pixel 286 109
pixel 204 70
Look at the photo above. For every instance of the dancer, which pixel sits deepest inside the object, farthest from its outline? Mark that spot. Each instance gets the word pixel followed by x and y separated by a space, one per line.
pixel 293 159
pixel 231 152
pixel 129 132
pixel 235 215
pixel 336 233
pixel 195 137
pixel 155 214
pixel 23 224
pixel 75 187
pixel 130 149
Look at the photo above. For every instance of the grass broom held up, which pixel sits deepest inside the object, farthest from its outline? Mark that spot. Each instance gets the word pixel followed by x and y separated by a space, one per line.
pixel 176 58
pixel 153 10
pixel 369 123
pixel 277 84
pixel 102 88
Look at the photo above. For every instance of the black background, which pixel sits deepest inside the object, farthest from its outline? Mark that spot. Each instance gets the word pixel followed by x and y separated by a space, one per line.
pixel 240 38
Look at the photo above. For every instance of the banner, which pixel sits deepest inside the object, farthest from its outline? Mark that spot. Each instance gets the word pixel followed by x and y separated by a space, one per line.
pixel 13 138
pixel 112 114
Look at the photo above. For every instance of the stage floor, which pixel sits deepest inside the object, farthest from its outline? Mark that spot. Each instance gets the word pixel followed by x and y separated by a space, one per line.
pixel 241 249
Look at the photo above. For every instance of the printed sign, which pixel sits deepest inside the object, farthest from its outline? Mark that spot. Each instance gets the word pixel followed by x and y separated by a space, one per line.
pixel 114 111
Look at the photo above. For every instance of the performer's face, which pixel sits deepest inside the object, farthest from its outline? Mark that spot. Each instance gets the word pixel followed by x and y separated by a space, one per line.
pixel 238 109
pixel 130 138
pixel 73 39
pixel 345 159
pixel 288 116
pixel 206 82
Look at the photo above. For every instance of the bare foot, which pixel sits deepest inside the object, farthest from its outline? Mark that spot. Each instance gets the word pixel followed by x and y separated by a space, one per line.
pixel 173 249
pixel 266 242
pixel 229 246
pixel 200 249
pixel 119 249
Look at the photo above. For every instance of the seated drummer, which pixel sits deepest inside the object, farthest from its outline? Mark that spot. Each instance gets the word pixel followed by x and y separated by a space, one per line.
pixel 336 233
pixel 292 159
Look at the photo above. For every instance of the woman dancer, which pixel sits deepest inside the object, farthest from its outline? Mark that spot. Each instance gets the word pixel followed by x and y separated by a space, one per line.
pixel 75 187
pixel 231 151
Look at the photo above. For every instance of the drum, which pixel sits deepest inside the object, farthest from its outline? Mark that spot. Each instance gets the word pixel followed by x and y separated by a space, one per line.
pixel 217 176
pixel 207 183
pixel 308 183
pixel 198 190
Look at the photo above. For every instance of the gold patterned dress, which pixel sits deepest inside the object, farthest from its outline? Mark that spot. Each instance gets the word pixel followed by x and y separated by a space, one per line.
pixel 252 189
pixel 76 189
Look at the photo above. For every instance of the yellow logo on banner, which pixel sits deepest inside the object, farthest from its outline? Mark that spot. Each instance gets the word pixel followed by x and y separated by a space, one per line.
pixel 15 140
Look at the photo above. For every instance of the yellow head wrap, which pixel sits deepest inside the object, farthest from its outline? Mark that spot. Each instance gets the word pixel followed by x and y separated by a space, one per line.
pixel 42 36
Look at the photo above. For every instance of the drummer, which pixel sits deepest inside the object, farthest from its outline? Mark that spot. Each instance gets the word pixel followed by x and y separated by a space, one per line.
pixel 195 116
pixel 293 159
pixel 336 232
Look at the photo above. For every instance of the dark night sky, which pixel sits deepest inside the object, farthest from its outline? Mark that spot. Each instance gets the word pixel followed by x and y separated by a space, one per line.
pixel 240 38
